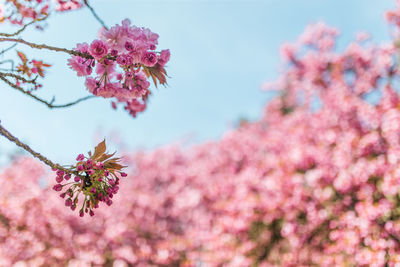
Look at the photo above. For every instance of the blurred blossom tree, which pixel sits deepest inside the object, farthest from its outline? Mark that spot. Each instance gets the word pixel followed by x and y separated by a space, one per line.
pixel 303 186
pixel 123 58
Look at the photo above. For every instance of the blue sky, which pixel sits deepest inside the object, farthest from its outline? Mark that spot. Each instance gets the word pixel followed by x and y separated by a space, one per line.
pixel 222 51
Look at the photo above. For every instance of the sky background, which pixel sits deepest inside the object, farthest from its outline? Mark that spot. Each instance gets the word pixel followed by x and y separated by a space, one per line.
pixel 221 53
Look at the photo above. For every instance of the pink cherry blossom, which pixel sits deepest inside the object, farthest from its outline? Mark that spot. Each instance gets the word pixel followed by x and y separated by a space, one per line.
pixel 98 49
pixel 125 59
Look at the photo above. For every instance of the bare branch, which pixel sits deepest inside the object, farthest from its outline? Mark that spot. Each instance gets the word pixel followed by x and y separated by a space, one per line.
pixel 19 77
pixel 72 103
pixel 23 28
pixel 37 155
pixel 95 14
pixel 44 46
pixel 47 103
pixel 8 61
pixel 8 49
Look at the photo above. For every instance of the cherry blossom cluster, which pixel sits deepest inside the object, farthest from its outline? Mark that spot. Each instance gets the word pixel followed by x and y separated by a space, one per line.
pixel 23 11
pixel 31 69
pixel 94 176
pixel 118 64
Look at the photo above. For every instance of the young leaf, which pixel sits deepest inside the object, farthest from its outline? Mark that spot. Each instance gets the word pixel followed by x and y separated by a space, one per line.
pixel 22 57
pixel 99 150
pixel 105 156
pixel 157 73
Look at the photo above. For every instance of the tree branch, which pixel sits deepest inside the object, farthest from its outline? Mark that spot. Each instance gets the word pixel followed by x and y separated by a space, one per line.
pixel 48 104
pixel 48 47
pixel 19 77
pixel 8 61
pixel 95 14
pixel 37 155
pixel 23 28
pixel 72 103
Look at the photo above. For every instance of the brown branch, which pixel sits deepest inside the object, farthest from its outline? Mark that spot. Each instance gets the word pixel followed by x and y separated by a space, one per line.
pixel 72 103
pixel 48 104
pixel 48 47
pixel 95 14
pixel 19 77
pixel 37 155
pixel 8 61
pixel 23 28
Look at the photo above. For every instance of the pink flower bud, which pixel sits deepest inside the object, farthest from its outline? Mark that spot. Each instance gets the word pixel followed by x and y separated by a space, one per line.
pixel 114 53
pixel 59 179
pixel 80 157
pixel 57 187
pixel 100 165
pixel 68 202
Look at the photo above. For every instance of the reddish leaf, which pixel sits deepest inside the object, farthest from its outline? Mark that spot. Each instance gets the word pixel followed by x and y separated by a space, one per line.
pixel 22 57
pixel 99 150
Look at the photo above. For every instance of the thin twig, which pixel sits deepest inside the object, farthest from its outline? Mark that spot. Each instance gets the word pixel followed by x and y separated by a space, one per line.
pixel 19 77
pixel 23 28
pixel 3 69
pixel 37 155
pixel 48 104
pixel 8 61
pixel 72 103
pixel 95 14
pixel 48 47
pixel 7 49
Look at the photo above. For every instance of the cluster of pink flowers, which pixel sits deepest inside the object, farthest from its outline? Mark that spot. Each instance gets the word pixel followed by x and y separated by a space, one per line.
pixel 95 177
pixel 65 5
pixel 23 11
pixel 123 58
